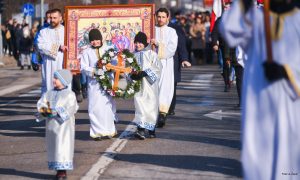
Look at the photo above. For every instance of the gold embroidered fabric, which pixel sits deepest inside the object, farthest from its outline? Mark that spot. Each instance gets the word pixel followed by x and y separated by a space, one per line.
pixel 278 23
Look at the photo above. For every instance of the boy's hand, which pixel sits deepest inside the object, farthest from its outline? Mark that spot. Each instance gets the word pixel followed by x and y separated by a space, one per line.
pixel 153 42
pixel 139 75
pixel 63 48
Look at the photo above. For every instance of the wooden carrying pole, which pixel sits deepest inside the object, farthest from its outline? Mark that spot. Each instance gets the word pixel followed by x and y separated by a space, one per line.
pixel 268 30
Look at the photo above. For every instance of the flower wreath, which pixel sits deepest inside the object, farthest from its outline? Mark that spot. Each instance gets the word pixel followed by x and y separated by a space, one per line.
pixel 104 72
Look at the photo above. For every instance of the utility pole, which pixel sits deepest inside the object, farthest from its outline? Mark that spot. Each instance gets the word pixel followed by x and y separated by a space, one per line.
pixel 1 44
pixel 42 13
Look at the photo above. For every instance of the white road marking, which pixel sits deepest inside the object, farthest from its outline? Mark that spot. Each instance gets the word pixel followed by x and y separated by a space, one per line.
pixel 220 114
pixel 202 81
pixel 108 157
pixel 35 93
pixel 14 89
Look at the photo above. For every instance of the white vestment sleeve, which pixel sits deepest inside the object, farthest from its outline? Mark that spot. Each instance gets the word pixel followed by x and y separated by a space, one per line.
pixel 85 65
pixel 67 108
pixel 154 71
pixel 236 26
pixel 42 102
pixel 46 46
pixel 171 47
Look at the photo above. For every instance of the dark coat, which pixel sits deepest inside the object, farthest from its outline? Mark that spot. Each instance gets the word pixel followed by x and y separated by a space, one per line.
pixel 227 52
pixel 25 45
pixel 181 53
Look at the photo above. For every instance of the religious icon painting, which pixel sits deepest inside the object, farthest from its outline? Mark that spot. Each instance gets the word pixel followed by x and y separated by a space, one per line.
pixel 118 25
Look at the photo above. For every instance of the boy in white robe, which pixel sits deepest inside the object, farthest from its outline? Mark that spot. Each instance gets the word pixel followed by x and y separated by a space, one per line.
pixel 58 107
pixel 146 100
pixel 101 106
pixel 271 90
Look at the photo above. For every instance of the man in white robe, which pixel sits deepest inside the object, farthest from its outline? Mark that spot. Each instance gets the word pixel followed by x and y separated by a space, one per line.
pixel 165 41
pixel 50 43
pixel 101 108
pixel 146 100
pixel 271 91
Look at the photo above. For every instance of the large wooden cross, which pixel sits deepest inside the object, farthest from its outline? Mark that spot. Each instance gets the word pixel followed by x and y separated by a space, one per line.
pixel 119 69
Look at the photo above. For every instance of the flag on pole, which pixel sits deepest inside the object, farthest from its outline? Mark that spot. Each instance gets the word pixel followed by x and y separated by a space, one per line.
pixel 216 13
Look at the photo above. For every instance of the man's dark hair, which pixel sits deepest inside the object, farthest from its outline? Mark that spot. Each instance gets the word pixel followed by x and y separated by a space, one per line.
pixel 56 11
pixel 48 12
pixel 165 10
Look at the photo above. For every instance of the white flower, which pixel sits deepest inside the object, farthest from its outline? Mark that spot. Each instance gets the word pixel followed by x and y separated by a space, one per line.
pixel 111 54
pixel 102 77
pixel 100 72
pixel 104 87
pixel 123 56
pixel 104 68
pixel 130 91
pixel 105 58
pixel 130 60
pixel 104 61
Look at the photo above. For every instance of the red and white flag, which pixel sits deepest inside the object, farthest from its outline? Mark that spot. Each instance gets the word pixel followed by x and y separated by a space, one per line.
pixel 216 13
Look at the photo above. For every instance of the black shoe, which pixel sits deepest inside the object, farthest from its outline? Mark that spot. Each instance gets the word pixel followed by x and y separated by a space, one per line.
pixel 226 88
pixel 79 98
pixel 22 67
pixel 61 175
pixel 152 134
pixel 171 113
pixel 97 139
pixel 140 133
pixel 161 121
pixel 84 94
pixel 28 67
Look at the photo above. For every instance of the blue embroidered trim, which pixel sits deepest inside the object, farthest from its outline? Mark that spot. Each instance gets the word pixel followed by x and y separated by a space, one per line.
pixel 146 125
pixel 151 76
pixel 60 165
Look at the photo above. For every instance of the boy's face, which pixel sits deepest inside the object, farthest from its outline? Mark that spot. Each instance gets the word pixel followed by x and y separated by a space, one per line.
pixel 57 84
pixel 96 43
pixel 139 46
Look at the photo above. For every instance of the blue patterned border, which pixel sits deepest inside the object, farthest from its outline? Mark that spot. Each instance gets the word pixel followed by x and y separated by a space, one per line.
pixel 146 125
pixel 60 165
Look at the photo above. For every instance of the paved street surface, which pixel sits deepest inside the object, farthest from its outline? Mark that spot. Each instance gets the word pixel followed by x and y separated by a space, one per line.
pixel 201 141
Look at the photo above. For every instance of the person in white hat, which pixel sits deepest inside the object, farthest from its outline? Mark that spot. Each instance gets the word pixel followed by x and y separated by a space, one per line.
pixel 58 106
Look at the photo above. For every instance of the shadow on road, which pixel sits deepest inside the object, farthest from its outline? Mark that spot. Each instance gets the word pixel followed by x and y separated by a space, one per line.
pixel 15 172
pixel 201 163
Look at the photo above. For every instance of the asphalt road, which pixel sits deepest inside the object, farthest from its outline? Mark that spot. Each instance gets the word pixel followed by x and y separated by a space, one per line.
pixel 201 141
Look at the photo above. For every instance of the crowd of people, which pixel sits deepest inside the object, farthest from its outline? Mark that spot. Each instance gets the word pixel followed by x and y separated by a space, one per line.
pixel 269 86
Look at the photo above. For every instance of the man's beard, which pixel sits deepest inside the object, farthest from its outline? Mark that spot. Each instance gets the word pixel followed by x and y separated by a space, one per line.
pixel 162 24
pixel 54 24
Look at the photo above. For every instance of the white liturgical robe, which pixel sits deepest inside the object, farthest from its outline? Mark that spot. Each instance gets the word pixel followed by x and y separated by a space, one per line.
pixel 101 108
pixel 167 40
pixel 60 134
pixel 48 42
pixel 270 113
pixel 146 100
